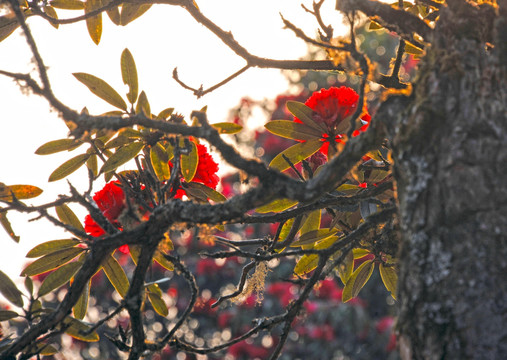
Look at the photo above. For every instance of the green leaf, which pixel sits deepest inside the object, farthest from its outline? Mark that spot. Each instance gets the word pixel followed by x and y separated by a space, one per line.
pixel 346 268
pixel 51 246
pixel 357 280
pixel 312 222
pixel 155 297
pixel 412 49
pixel 296 153
pixel 205 192
pixel 164 114
pixel 59 277
pixel 29 285
pixel 359 253
pixel 93 165
pixel 160 258
pixel 293 130
pixel 276 206
pixel 94 23
pixel 51 261
pixel 67 4
pixel 81 306
pixel 55 146
pixel 67 216
pixel 77 329
pixel 6 224
pixel 9 290
pixel 143 105
pixel 160 162
pixel 116 276
pixel 227 128
pixel 189 163
pixel 121 156
pixel 374 26
pixel 102 89
pixel 389 278
pixel 68 167
pixel 306 264
pixel 7 26
pixel 47 349
pixel 130 12
pixel 21 192
pixel 7 315
pixel 114 13
pixel 313 236
pixel 305 114
pixel 50 11
pixel 129 75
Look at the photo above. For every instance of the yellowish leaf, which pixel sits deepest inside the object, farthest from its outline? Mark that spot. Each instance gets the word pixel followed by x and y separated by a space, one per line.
pixel 9 290
pixel 51 246
pixel 102 89
pixel 129 75
pixel 68 167
pixel 357 280
pixel 389 278
pixel 94 23
pixel 116 275
pixel 59 277
pixel 51 261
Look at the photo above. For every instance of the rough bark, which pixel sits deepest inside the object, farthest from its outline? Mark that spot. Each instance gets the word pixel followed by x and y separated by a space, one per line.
pixel 450 150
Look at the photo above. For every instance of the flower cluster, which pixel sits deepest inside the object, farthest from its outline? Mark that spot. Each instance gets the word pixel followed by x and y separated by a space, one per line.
pixel 333 108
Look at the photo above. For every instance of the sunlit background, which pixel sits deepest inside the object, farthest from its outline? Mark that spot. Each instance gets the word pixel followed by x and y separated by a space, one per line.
pixel 164 38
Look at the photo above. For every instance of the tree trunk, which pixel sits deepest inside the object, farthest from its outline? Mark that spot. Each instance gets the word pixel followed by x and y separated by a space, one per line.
pixel 450 151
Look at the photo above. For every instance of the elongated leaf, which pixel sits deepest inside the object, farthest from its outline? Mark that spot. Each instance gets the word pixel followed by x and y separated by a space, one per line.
pixel 116 276
pixel 346 268
pixel 9 290
pixel 47 349
pixel 130 12
pixel 189 163
pixel 227 128
pixel 51 246
pixel 77 330
pixel 114 13
pixel 49 10
pixel 6 224
pixel 68 167
pixel 7 315
pixel 55 146
pixel 67 4
pixel 21 192
pixel 305 114
pixel 59 277
pixel 313 236
pixel 102 89
pixel 159 258
pixel 160 162
pixel 92 164
pixel 207 192
pixel 121 156
pixel 389 278
pixel 306 264
pixel 143 105
pixel 129 75
pixel 67 216
pixel 412 49
pixel 94 23
pixel 293 130
pixel 51 261
pixel 81 306
pixel 164 114
pixel 311 222
pixel 357 280
pixel 155 297
pixel 276 206
pixel 296 153
pixel 7 26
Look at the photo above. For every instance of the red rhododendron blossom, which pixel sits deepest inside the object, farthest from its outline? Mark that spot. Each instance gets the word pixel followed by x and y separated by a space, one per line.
pixel 207 168
pixel 206 172
pixel 111 202
pixel 332 106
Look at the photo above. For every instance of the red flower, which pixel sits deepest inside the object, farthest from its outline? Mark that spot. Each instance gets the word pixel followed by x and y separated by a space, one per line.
pixel 207 168
pixel 111 202
pixel 332 107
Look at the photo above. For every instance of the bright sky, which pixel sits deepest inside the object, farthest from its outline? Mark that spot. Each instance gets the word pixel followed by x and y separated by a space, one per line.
pixel 164 38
